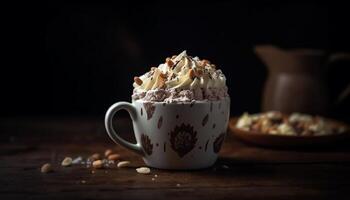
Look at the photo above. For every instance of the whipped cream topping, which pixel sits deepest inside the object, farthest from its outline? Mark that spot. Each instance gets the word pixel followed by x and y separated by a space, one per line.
pixel 182 78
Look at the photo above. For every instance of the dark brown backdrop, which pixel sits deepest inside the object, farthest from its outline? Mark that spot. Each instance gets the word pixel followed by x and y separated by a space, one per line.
pixel 77 59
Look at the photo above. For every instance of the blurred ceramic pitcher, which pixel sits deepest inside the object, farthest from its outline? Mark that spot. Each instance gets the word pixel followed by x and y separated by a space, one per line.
pixel 297 79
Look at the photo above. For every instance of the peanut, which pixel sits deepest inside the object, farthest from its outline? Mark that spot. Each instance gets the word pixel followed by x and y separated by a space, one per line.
pixel 143 170
pixel 67 161
pixel 46 168
pixel 97 164
pixel 162 75
pixel 113 157
pixel 123 164
pixel 108 152
pixel 169 62
pixel 137 80
pixel 192 74
pixel 95 156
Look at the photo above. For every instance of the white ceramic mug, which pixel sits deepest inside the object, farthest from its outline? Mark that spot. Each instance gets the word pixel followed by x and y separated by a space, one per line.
pixel 174 135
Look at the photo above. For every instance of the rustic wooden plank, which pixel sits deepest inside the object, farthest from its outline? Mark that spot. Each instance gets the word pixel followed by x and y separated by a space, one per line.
pixel 187 193
pixel 243 171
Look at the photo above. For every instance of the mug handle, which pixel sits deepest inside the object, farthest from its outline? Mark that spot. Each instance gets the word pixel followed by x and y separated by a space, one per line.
pixel 111 131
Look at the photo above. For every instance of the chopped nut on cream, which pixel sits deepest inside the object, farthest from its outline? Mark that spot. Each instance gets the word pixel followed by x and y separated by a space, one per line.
pixel 181 73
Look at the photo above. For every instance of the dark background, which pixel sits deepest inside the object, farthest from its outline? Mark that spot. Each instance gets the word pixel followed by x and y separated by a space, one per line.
pixel 67 59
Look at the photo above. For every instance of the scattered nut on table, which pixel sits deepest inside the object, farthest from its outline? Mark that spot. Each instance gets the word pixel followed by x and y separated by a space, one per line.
pixel 95 156
pixel 77 160
pixel 108 152
pixel 46 168
pixel 67 161
pixel 123 164
pixel 113 156
pixel 97 164
pixel 143 170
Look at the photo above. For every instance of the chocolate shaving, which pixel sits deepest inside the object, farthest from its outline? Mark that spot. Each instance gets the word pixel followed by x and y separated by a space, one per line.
pixel 206 145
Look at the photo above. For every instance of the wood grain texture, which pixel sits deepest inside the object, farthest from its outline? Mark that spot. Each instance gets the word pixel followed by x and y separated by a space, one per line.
pixel 242 171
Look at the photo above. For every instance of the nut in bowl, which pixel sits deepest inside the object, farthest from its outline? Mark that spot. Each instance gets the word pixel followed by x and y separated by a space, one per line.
pixel 180 113
pixel 276 129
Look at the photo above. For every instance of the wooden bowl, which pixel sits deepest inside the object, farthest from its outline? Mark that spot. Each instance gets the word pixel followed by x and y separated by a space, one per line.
pixel 286 141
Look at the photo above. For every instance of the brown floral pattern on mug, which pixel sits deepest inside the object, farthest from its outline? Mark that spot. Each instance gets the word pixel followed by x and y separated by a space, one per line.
pixel 150 108
pixel 205 120
pixel 183 139
pixel 218 142
pixel 206 145
pixel 160 122
pixel 146 144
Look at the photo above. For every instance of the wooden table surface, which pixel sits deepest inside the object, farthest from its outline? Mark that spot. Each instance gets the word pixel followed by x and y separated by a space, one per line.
pixel 242 171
